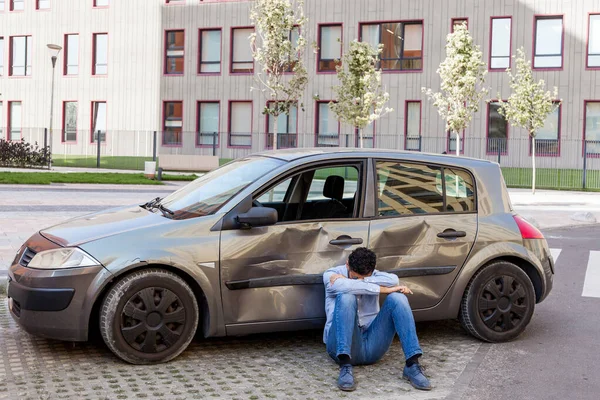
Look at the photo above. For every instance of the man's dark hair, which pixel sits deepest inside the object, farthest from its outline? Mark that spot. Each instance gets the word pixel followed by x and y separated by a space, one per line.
pixel 362 261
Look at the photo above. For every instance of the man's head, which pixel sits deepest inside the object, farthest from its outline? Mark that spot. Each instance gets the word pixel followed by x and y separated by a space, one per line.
pixel 361 263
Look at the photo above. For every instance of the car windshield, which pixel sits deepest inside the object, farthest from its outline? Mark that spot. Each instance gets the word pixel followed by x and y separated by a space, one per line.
pixel 208 193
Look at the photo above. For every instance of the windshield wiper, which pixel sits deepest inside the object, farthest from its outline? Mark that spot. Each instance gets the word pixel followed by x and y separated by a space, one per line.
pixel 164 209
pixel 152 204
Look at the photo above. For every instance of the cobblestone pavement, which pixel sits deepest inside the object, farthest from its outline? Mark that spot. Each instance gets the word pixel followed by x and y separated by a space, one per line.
pixel 282 366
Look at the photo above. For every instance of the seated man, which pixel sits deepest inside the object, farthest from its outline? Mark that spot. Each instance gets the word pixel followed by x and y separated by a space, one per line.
pixel 357 332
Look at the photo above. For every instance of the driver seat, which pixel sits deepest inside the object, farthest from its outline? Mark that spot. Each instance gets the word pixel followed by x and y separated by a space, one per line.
pixel 333 190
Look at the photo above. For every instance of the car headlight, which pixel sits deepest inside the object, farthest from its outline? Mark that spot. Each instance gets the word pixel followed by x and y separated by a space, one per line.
pixel 62 258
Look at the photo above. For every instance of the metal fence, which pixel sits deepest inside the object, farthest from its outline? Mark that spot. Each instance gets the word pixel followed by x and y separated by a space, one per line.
pixel 564 163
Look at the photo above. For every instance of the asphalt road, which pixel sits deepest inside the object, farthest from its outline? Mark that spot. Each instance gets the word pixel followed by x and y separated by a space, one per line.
pixel 557 356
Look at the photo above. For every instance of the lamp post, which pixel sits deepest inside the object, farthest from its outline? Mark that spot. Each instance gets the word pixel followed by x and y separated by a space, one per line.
pixel 54 50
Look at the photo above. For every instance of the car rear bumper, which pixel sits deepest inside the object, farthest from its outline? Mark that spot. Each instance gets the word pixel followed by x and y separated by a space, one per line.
pixel 52 303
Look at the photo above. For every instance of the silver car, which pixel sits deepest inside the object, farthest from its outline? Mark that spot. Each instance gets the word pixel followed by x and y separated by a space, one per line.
pixel 242 250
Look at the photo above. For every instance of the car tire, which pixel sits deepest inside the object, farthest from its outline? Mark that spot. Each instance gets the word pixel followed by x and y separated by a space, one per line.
pixel 498 302
pixel 149 316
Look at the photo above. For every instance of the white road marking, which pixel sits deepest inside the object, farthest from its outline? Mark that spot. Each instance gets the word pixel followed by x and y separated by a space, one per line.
pixel 591 285
pixel 555 253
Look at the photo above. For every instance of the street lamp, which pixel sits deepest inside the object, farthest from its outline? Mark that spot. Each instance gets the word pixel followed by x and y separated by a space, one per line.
pixel 54 50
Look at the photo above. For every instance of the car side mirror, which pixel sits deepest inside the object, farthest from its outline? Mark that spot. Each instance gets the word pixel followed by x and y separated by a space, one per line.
pixel 258 216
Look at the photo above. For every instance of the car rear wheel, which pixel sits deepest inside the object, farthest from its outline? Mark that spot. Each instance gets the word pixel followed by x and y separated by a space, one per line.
pixel 149 317
pixel 498 302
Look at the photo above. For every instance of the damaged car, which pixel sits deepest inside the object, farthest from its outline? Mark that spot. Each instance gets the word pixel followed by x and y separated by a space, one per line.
pixel 242 250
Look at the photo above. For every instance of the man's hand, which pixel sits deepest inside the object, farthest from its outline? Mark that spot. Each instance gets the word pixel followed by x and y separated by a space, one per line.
pixel 335 277
pixel 401 288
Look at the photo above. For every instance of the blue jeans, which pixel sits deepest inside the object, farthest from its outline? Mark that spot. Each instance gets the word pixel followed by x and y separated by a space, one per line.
pixel 367 346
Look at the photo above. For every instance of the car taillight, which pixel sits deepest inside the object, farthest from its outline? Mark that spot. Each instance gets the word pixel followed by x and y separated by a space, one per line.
pixel 528 231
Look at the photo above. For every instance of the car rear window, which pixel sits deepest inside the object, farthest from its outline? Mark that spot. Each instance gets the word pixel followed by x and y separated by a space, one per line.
pixel 409 189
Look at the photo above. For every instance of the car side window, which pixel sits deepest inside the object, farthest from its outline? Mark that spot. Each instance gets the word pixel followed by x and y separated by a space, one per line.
pixel 276 194
pixel 460 193
pixel 408 189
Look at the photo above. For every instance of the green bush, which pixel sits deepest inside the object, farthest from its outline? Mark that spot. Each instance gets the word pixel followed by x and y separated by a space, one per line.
pixel 23 155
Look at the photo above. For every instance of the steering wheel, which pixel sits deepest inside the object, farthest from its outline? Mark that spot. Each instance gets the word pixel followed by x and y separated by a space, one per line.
pixel 256 203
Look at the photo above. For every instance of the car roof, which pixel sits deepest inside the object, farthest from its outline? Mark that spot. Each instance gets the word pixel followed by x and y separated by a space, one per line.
pixel 318 152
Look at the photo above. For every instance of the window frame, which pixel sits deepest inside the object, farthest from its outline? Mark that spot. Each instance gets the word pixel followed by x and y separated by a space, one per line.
pixel 63 132
pixel 93 103
pixel 94 49
pixel 319 37
pixel 317 123
pixel 96 6
pixel 164 121
pixel 11 5
pixel 558 137
pixel 175 2
pixel 165 53
pixel 198 133
pixel 587 45
pixel 66 54
pixel 442 167
pixel 10 57
pixel 487 132
pixel 9 120
pixel 2 54
pixel 231 49
pixel 229 114
pixel 404 23
pixel 456 19
pixel 491 42
pixel 360 163
pixel 584 152
pixel 537 18
pixel 268 143
pixel 406 103
pixel 200 62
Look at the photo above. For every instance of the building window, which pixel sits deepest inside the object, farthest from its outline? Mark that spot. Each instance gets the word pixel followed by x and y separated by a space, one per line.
pixel 17 5
pixel 14 120
pixel 42 5
pixel 240 123
pixel 98 121
pixel 459 21
pixel 412 125
pixel 497 130
pixel 548 42
pixel 1 56
pixel 368 137
pixel 1 121
pixel 69 129
pixel 501 37
pixel 175 1
pixel 241 54
pixel 71 57
pixel 20 55
pixel 287 128
pixel 330 47
pixel 172 123
pixel 591 133
pixel 593 51
pixel 208 123
pixel 101 3
pixel 328 126
pixel 100 53
pixel 210 51
pixel 402 44
pixel 451 145
pixel 547 138
pixel 174 52
pixel 2 5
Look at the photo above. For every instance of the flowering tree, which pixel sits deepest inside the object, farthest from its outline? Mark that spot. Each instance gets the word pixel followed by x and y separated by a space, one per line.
pixel 462 76
pixel 529 104
pixel 360 98
pixel 278 47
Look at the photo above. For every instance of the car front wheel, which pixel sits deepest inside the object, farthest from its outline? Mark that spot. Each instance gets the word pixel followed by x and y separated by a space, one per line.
pixel 498 302
pixel 149 316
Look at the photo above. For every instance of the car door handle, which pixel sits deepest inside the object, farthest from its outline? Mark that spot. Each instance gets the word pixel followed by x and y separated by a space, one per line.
pixel 345 240
pixel 451 234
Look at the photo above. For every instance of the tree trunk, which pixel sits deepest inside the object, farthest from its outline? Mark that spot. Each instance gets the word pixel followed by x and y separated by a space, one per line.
pixel 275 119
pixel 533 163
pixel 457 143
pixel 360 137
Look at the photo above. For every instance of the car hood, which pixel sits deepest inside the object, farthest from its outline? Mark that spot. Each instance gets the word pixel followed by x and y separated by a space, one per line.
pixel 87 228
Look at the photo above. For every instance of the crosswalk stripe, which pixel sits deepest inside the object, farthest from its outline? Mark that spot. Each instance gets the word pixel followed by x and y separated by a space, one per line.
pixel 555 253
pixel 591 285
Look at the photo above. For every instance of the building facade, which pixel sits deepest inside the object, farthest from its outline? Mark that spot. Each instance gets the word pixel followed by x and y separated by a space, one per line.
pixel 184 69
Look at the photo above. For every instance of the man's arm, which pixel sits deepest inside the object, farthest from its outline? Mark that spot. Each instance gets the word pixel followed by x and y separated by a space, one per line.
pixel 383 279
pixel 336 283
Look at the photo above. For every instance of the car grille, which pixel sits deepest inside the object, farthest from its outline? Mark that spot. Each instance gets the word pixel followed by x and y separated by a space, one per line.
pixel 27 256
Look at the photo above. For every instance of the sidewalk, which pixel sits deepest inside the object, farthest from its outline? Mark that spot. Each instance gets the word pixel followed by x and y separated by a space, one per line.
pixel 67 170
